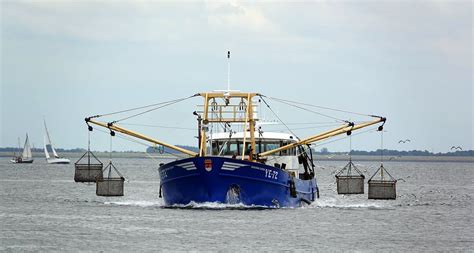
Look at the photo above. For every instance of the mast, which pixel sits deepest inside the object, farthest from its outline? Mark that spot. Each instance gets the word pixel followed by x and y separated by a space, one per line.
pixel 228 71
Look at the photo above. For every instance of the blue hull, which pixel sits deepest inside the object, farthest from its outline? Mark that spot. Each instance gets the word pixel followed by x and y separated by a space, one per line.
pixel 226 180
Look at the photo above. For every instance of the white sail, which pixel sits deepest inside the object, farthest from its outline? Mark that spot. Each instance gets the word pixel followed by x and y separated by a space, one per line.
pixel 46 148
pixel 54 152
pixel 26 155
pixel 49 142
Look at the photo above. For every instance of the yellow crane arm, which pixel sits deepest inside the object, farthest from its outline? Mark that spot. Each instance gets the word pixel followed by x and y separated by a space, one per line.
pixel 325 135
pixel 139 136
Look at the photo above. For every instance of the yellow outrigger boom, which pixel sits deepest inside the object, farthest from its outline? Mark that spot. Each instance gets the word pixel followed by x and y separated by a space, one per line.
pixel 247 120
pixel 139 136
pixel 325 135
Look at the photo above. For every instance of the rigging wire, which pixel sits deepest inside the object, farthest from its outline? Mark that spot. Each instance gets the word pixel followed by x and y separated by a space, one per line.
pixel 322 107
pixel 159 126
pixel 110 153
pixel 276 115
pixel 328 142
pixel 309 123
pixel 124 137
pixel 381 149
pixel 306 109
pixel 153 109
pixel 143 107
pixel 311 127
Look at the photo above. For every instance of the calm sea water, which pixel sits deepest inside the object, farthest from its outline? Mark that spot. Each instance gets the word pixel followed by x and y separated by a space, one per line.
pixel 42 209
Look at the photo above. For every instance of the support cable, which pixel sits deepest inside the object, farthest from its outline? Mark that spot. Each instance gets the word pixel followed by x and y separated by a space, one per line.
pixel 350 148
pixel 311 127
pixel 323 107
pixel 358 133
pixel 381 148
pixel 143 107
pixel 124 137
pixel 276 115
pixel 158 126
pixel 308 110
pixel 149 110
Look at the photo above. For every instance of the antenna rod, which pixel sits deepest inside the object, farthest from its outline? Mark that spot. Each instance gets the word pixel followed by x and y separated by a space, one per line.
pixel 228 70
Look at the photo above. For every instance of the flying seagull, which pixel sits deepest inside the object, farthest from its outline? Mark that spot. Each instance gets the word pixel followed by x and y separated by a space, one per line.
pixel 456 148
pixel 404 141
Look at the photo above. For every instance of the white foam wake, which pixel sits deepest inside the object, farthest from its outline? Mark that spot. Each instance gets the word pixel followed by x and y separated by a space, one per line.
pixel 217 206
pixel 139 203
pixel 345 204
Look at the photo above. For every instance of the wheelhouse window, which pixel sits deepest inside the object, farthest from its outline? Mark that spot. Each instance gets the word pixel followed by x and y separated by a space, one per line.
pixel 234 147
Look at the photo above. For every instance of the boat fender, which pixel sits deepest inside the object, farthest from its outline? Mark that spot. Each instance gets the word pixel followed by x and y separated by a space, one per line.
pixel 159 194
pixel 292 188
pixel 300 159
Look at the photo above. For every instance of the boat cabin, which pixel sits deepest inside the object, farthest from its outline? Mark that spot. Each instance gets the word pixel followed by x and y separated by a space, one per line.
pixel 231 145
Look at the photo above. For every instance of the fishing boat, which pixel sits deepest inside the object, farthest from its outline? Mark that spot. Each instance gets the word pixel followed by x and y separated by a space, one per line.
pixel 48 147
pixel 250 167
pixel 25 156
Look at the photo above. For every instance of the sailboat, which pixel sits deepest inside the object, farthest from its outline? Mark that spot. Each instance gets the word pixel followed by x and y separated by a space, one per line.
pixel 48 147
pixel 25 156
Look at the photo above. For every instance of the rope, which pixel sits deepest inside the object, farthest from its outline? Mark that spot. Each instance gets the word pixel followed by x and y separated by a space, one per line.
pixel 328 142
pixel 311 127
pixel 141 107
pixel 153 109
pixel 381 147
pixel 350 147
pixel 159 126
pixel 110 153
pixel 88 149
pixel 306 109
pixel 261 96
pixel 329 123
pixel 138 142
pixel 322 107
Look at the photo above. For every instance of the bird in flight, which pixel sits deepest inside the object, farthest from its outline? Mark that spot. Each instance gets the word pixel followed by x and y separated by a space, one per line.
pixel 456 148
pixel 404 141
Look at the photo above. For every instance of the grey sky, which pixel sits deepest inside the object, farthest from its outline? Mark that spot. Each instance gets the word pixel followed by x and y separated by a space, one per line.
pixel 409 61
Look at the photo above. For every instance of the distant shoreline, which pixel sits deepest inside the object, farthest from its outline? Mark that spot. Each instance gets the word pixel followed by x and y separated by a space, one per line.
pixel 105 155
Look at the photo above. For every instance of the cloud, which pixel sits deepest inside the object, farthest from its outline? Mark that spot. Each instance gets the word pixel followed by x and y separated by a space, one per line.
pixel 134 20
pixel 235 15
